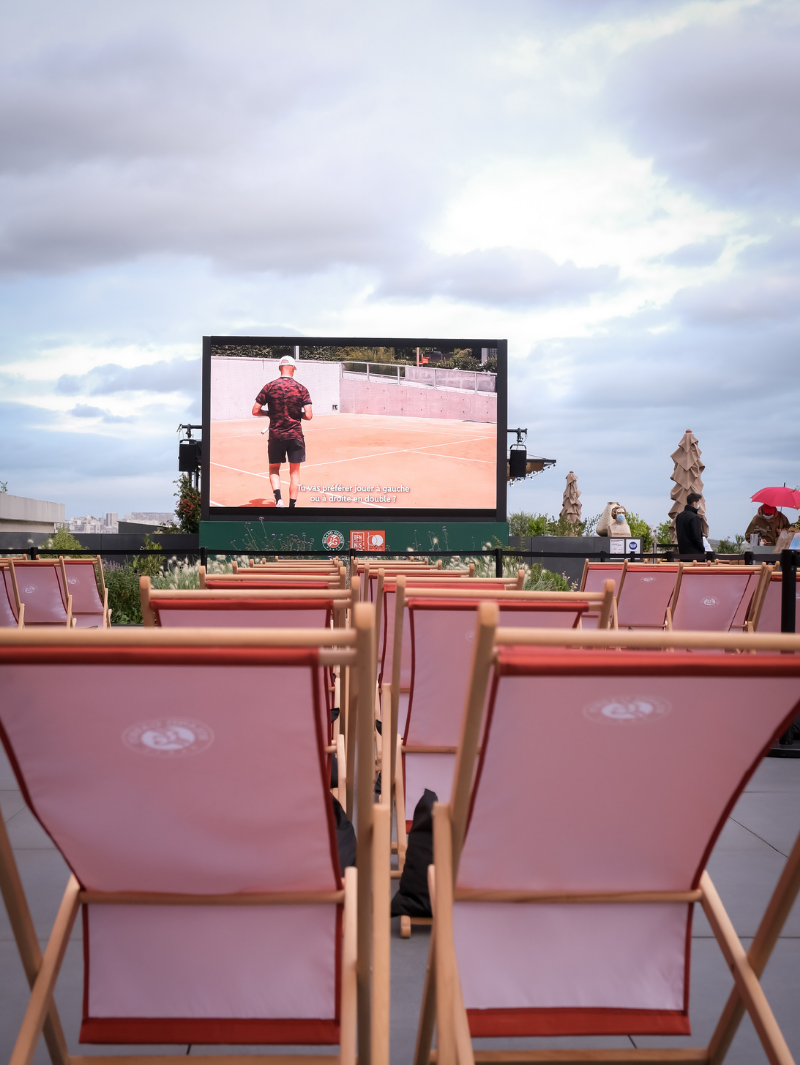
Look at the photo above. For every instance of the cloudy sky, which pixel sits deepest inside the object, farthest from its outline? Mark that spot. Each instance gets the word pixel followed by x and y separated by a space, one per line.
pixel 613 186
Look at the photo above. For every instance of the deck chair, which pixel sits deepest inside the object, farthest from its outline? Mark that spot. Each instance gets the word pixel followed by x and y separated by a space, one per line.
pixel 565 877
pixel 38 585
pixel 645 595
pixel 709 598
pixel 288 567
pixel 593 579
pixel 12 615
pixel 201 838
pixel 442 631
pixel 246 608
pixel 768 617
pixel 83 580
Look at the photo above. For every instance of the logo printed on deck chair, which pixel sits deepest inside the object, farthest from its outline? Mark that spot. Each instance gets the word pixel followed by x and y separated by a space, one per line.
pixel 646 580
pixel 710 601
pixel 172 737
pixel 627 710
pixel 30 589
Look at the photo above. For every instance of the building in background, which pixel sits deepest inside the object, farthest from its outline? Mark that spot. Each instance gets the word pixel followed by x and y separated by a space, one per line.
pixel 90 524
pixel 20 514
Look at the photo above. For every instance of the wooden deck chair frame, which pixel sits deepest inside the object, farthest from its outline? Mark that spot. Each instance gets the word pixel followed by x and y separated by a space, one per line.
pixel 64 594
pixel 443 1004
pixel 760 590
pixel 392 786
pixel 99 576
pixel 246 577
pixel 13 601
pixel 365 980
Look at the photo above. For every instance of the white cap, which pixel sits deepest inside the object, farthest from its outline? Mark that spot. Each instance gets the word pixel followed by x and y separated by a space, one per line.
pixel 287 360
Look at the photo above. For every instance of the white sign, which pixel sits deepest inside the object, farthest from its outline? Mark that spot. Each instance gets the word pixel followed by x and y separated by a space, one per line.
pixel 634 545
pixel 617 547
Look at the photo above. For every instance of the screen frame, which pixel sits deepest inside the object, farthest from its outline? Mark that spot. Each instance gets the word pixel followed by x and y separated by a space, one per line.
pixel 344 513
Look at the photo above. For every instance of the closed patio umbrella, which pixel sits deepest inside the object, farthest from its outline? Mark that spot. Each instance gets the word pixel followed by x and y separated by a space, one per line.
pixel 571 507
pixel 687 478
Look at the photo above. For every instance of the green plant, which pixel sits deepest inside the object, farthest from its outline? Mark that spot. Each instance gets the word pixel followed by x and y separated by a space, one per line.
pixel 731 547
pixel 641 529
pixel 62 540
pixel 122 582
pixel 3 487
pixel 523 524
pixel 187 509
pixel 664 534
pixel 148 566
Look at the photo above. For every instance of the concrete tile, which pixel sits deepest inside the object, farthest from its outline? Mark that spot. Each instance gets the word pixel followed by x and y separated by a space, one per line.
pixel 11 802
pixel 409 961
pixel 745 880
pixel 7 779
pixel 14 994
pixel 711 984
pixel 44 875
pixel 25 832
pixel 774 816
pixel 776 774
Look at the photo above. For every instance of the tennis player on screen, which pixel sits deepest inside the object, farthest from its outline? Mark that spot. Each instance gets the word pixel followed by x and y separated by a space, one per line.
pixel 287 403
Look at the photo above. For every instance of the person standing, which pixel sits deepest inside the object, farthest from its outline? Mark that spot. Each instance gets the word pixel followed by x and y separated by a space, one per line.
pixel 288 403
pixel 689 528
pixel 767 525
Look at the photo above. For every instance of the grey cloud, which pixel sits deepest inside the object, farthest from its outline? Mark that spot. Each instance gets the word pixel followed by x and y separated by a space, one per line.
pixel 497 276
pixel 84 410
pixel 716 106
pixel 757 300
pixel 701 253
pixel 174 375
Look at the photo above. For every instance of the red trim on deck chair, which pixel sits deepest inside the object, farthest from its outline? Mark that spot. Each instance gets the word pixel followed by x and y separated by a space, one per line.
pixel 531 1022
pixel 83 655
pixel 210 1030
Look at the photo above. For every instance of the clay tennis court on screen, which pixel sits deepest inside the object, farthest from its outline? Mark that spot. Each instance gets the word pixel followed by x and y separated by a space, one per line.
pixel 445 463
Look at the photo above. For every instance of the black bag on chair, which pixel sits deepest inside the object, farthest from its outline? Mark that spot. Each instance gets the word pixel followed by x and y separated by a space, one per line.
pixel 413 898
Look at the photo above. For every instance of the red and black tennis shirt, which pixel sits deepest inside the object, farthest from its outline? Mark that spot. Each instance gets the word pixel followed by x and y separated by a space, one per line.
pixel 284 397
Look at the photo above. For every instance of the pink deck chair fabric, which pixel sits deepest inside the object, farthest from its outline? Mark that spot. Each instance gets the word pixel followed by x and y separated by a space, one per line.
pixel 87 603
pixel 202 772
pixel 770 619
pixel 740 617
pixel 8 604
pixel 595 581
pixel 568 797
pixel 442 635
pixel 40 589
pixel 645 595
pixel 708 600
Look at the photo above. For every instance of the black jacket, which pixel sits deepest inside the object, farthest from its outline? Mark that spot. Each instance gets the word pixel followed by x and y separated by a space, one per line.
pixel 690 532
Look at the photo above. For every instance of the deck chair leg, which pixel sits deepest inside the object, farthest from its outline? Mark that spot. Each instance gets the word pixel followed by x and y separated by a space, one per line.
pixel 445 969
pixel 783 898
pixel 427 1017
pixel 381 943
pixel 41 1000
pixel 27 944
pixel 749 989
pixel 347 1044
pixel 400 810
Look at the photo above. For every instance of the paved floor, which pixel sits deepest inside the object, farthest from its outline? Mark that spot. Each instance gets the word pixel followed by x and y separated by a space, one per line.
pixel 745 866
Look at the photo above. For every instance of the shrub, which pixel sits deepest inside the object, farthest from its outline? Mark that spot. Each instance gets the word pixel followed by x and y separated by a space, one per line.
pixel 664 534
pixel 641 529
pixel 524 524
pixel 732 547
pixel 62 540
pixel 122 582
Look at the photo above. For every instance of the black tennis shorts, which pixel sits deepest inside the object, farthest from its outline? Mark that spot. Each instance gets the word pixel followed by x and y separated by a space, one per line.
pixel 279 448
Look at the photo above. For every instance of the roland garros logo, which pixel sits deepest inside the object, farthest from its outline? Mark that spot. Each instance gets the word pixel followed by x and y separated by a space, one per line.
pixel 333 540
pixel 627 710
pixel 710 601
pixel 172 737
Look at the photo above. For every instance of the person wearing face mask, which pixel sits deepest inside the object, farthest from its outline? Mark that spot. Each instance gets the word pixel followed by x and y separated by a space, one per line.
pixel 613 521
pixel 767 524
pixel 689 528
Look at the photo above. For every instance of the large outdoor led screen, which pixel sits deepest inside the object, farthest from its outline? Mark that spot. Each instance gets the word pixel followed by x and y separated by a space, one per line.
pixel 322 425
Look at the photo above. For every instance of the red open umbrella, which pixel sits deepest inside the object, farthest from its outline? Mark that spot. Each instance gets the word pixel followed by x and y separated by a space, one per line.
pixel 778 497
